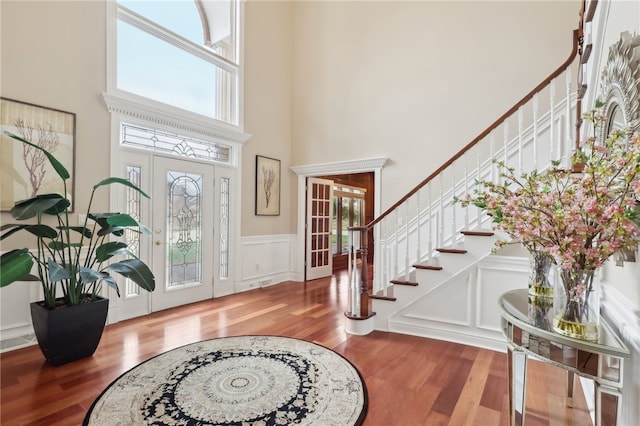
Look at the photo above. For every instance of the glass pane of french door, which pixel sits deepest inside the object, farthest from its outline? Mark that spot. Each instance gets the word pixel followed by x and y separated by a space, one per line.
pixel 183 232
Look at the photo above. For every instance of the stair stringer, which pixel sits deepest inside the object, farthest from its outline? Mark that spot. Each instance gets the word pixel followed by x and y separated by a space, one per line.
pixel 459 307
pixel 476 246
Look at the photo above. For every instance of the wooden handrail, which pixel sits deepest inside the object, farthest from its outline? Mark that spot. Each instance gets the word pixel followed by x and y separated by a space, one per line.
pixel 488 130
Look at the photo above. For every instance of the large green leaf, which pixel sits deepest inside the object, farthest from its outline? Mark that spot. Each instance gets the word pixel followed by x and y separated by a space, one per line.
pixel 57 272
pixel 110 249
pixel 105 227
pixel 89 275
pixel 14 265
pixel 118 231
pixel 41 231
pixel 123 219
pixel 137 271
pixel 59 208
pixel 110 180
pixel 101 217
pixel 112 283
pixel 57 165
pixel 57 245
pixel 79 229
pixel 40 204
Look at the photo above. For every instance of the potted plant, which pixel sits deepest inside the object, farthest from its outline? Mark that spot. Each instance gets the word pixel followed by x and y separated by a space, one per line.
pixel 76 259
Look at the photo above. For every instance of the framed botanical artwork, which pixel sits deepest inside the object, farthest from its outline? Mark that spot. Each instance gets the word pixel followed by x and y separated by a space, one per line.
pixel 267 186
pixel 25 171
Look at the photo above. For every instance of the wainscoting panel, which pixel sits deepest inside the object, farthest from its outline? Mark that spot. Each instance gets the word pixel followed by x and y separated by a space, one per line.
pixel 497 275
pixel 266 260
pixel 16 330
pixel 462 308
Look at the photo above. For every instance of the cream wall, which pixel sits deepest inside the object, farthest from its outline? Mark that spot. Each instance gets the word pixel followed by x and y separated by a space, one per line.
pixel 415 81
pixel 267 115
pixel 53 54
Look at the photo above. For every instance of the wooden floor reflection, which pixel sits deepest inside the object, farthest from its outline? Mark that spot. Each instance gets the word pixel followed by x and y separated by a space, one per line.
pixel 410 380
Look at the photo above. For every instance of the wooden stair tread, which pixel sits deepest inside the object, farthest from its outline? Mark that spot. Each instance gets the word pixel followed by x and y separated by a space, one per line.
pixel 478 233
pixel 428 267
pixel 389 298
pixel 404 282
pixel 451 250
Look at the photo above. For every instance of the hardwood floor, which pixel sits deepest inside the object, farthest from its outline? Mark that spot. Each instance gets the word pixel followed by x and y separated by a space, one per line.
pixel 410 380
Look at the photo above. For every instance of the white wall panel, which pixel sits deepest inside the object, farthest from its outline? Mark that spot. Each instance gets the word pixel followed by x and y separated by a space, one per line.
pixel 266 260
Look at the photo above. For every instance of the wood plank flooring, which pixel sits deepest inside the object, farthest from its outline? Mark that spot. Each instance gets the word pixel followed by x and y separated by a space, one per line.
pixel 410 380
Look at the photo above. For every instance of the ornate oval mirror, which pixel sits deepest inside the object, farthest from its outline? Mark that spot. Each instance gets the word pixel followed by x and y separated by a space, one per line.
pixel 620 85
pixel 620 92
pixel 615 119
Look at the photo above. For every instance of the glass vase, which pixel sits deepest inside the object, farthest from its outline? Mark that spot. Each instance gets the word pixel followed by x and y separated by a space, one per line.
pixel 540 311
pixel 576 303
pixel 540 284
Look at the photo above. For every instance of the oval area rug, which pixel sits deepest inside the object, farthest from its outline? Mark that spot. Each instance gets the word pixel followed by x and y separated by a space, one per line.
pixel 233 381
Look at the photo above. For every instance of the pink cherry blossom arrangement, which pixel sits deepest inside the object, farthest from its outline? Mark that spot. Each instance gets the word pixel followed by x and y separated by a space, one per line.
pixel 578 219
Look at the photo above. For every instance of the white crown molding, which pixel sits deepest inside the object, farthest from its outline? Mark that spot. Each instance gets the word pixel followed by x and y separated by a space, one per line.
pixel 340 167
pixel 173 117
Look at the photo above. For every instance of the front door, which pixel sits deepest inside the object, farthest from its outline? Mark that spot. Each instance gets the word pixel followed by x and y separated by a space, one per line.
pixel 183 221
pixel 319 256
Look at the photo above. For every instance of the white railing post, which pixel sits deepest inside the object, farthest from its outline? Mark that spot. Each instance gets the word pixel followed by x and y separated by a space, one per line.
pixel 418 226
pixel 395 253
pixel 552 119
pixel 453 206
pixel 466 186
pixel 478 178
pixel 506 143
pixel 440 236
pixel 429 220
pixel 520 143
pixel 377 285
pixel 407 235
pixel 387 255
pixel 569 129
pixel 535 132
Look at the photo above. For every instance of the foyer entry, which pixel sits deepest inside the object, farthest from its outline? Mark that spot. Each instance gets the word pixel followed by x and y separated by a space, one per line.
pixel 334 203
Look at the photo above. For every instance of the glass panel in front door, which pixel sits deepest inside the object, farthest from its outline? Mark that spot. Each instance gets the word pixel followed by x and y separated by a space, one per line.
pixel 183 218
pixel 184 231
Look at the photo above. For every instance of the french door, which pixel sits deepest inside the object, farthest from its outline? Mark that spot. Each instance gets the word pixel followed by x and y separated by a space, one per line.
pixel 183 240
pixel 319 256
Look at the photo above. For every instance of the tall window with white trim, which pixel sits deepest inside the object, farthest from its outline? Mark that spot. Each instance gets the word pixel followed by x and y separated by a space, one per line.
pixel 180 53
pixel 172 88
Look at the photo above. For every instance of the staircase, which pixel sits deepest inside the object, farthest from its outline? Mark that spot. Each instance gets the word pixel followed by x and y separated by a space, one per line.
pixel 434 273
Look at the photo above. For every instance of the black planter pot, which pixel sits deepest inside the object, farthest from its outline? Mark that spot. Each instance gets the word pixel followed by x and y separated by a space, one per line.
pixel 69 333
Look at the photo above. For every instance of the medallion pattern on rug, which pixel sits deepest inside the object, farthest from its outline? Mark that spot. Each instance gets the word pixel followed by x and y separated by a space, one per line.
pixel 237 381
